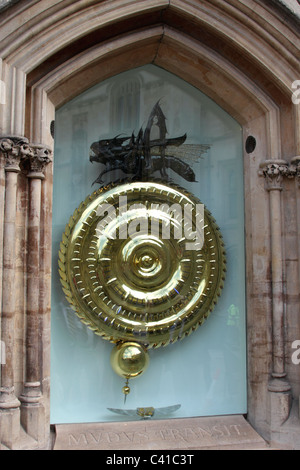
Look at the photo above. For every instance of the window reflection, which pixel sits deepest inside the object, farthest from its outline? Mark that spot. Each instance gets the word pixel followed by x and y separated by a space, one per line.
pixel 205 373
pixel 125 104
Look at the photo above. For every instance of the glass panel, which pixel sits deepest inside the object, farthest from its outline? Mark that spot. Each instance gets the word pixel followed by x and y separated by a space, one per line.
pixel 205 373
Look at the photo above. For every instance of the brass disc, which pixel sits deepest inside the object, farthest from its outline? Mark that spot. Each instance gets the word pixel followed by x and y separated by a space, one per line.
pixel 141 262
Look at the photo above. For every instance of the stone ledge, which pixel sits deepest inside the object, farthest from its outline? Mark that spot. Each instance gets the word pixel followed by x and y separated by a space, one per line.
pixel 206 433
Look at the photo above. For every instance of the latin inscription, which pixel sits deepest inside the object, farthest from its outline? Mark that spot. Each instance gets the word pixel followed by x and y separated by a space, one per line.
pixel 188 433
pixel 139 437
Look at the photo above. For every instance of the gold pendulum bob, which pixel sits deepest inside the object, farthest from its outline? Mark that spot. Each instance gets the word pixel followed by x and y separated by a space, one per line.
pixel 129 360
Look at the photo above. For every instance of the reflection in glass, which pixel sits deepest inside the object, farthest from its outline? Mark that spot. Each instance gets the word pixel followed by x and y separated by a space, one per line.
pixel 205 373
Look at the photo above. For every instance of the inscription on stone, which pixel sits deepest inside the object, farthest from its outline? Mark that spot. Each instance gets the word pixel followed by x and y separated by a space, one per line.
pixel 192 433
pixel 185 435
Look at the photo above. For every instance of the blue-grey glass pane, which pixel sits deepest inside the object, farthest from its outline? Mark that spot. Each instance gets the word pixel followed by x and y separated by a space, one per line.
pixel 205 373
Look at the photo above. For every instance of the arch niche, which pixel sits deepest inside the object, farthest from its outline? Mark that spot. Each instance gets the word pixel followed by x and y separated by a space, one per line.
pixel 241 54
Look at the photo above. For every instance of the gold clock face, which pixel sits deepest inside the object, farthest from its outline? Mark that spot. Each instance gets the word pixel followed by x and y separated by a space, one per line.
pixel 142 262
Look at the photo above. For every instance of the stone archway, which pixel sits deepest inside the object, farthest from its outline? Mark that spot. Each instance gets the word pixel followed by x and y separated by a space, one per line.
pixel 240 54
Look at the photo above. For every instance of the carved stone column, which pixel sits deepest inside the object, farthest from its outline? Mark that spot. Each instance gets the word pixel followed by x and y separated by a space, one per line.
pixel 295 171
pixel 274 171
pixel 14 150
pixel 32 410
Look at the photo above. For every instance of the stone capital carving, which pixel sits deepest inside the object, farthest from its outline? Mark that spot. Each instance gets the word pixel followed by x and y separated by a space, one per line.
pixel 295 168
pixel 274 171
pixel 18 152
pixel 37 161
pixel 15 149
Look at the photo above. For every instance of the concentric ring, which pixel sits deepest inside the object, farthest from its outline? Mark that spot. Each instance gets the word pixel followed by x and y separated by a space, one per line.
pixel 142 262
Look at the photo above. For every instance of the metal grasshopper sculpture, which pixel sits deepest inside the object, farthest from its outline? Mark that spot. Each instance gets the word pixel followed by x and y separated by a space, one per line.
pixel 139 156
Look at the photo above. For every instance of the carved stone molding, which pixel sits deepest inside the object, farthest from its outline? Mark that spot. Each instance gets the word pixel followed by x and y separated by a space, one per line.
pixel 38 160
pixel 15 149
pixel 20 154
pixel 275 171
pixel 295 168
